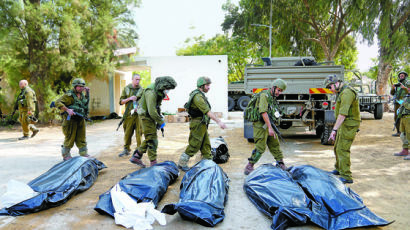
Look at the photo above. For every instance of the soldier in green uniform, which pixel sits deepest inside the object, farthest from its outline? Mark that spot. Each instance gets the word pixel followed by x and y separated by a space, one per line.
pixel 403 115
pixel 74 105
pixel 131 122
pixel 263 132
pixel 398 91
pixel 26 101
pixel 347 114
pixel 200 111
pixel 149 111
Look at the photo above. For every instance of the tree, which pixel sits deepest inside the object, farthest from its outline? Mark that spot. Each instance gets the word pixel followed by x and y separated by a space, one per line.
pixel 316 28
pixel 393 35
pixel 239 50
pixel 50 42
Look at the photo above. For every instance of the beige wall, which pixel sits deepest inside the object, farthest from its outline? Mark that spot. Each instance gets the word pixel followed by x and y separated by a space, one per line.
pixel 99 97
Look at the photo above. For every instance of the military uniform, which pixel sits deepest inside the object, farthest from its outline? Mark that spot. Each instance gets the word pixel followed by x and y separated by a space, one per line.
pixel 131 123
pixel 74 129
pixel 27 102
pixel 405 125
pixel 398 94
pixel 266 103
pixel 347 104
pixel 198 126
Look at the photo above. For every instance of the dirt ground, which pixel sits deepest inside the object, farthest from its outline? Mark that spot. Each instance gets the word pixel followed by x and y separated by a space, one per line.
pixel 381 179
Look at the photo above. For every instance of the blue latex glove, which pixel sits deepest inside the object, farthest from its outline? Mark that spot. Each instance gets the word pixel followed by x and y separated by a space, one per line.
pixel 400 102
pixel 162 126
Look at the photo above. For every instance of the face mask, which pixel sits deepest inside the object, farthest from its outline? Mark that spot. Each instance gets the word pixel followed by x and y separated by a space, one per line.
pixel 166 91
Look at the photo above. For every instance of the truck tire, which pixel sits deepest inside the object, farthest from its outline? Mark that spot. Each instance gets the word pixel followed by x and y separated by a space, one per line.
pixel 378 111
pixel 319 131
pixel 243 102
pixel 231 103
pixel 324 139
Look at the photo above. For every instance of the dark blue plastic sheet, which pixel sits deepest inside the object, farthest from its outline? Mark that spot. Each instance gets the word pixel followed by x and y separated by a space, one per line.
pixel 204 192
pixel 144 185
pixel 307 194
pixel 58 185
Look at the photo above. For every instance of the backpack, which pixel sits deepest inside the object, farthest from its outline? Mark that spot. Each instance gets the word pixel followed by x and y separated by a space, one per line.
pixel 251 112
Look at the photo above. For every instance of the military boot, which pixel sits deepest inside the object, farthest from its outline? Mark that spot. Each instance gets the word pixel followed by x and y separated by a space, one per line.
pixel 281 165
pixel 124 152
pixel 154 162
pixel 66 153
pixel 183 162
pixel 404 152
pixel 23 138
pixel 249 168
pixel 35 132
pixel 136 158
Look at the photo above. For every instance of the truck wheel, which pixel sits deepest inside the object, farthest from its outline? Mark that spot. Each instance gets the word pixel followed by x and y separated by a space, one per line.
pixel 319 131
pixel 378 111
pixel 324 139
pixel 243 102
pixel 231 103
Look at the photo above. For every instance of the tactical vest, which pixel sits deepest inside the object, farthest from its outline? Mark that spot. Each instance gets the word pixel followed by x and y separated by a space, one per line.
pixel 194 112
pixel 252 113
pixel 406 105
pixel 21 98
pixel 142 108
pixel 80 105
pixel 399 92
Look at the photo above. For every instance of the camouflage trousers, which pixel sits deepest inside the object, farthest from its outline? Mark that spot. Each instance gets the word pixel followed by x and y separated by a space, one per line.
pixel 262 139
pixel 344 139
pixel 26 123
pixel 74 133
pixel 132 125
pixel 405 130
pixel 198 139
pixel 150 143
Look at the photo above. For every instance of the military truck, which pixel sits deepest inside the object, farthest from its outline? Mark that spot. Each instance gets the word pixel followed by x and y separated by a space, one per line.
pixel 368 99
pixel 305 103
pixel 237 99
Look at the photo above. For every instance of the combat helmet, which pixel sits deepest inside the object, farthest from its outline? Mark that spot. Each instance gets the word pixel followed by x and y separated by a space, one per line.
pixel 403 72
pixel 331 79
pixel 78 81
pixel 203 81
pixel 280 84
pixel 164 83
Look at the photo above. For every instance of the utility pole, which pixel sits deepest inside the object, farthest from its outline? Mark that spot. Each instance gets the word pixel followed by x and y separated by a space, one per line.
pixel 270 30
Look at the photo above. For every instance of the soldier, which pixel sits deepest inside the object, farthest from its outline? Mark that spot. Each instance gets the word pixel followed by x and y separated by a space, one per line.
pixel 149 111
pixel 398 91
pixel 131 121
pixel 263 132
pixel 200 111
pixel 74 105
pixel 404 118
pixel 26 101
pixel 347 114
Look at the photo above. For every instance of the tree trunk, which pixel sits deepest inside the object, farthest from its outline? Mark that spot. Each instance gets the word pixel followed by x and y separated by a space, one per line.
pixel 383 74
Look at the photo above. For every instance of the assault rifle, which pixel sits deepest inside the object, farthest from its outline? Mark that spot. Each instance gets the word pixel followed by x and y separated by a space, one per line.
pixel 124 115
pixel 272 123
pixel 53 105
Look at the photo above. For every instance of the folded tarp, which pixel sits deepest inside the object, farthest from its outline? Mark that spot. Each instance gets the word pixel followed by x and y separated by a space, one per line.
pixel 307 194
pixel 204 192
pixel 145 185
pixel 58 185
pixel 219 150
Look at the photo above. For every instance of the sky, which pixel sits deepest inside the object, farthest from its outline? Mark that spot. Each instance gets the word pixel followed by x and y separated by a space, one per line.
pixel 164 25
